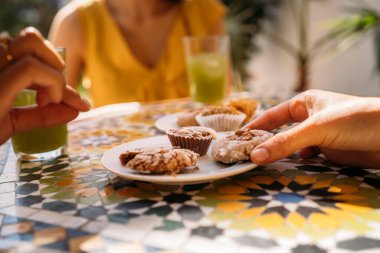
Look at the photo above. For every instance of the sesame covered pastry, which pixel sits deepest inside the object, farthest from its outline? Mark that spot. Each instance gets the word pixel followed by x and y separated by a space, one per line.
pixel 238 146
pixel 159 160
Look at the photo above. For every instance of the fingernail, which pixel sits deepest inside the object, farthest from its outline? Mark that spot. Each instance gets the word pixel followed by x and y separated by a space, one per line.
pixel 260 154
pixel 86 104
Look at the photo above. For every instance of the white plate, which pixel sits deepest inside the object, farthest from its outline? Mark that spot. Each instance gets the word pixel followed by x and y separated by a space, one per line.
pixel 168 121
pixel 209 169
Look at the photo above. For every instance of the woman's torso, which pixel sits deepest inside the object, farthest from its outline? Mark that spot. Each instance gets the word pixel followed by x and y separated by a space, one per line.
pixel 117 75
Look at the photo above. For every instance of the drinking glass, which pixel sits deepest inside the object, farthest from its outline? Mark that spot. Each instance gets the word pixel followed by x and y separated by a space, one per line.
pixel 40 143
pixel 207 64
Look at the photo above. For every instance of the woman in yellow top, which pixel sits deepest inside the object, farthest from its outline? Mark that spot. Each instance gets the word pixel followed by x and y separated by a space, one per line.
pixel 131 50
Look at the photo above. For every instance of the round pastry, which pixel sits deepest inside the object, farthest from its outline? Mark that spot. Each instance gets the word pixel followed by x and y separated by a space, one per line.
pixel 195 138
pixel 238 146
pixel 220 118
pixel 187 118
pixel 159 160
pixel 245 105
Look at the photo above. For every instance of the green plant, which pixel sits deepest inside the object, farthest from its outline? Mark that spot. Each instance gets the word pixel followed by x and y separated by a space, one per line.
pixel 244 21
pixel 342 34
pixel 346 32
pixel 302 53
pixel 17 14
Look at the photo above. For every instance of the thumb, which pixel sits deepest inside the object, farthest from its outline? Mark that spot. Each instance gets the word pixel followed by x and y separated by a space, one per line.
pixel 286 143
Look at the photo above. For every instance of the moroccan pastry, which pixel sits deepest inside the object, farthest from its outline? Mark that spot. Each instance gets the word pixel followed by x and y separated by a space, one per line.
pixel 187 117
pixel 238 146
pixel 220 118
pixel 245 105
pixel 195 138
pixel 159 160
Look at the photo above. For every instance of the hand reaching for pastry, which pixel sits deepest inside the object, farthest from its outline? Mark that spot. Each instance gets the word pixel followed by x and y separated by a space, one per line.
pixel 346 129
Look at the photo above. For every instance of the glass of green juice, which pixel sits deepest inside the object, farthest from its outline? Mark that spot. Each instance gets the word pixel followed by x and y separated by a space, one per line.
pixel 207 67
pixel 40 143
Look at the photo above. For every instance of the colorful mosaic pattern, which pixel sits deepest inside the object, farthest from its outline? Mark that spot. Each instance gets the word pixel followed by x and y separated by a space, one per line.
pixel 73 204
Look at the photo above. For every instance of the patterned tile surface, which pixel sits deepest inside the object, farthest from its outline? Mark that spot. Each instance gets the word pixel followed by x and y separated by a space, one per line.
pixel 73 204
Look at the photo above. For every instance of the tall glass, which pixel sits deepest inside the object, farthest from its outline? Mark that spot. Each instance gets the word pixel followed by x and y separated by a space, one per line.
pixel 207 64
pixel 40 143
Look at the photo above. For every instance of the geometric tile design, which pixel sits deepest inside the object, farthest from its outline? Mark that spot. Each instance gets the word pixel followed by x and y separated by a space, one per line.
pixel 73 204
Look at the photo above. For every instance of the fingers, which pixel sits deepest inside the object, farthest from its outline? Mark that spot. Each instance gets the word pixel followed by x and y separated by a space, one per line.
pixel 290 111
pixel 286 143
pixel 74 100
pixel 30 42
pixel 23 120
pixel 30 71
pixel 309 152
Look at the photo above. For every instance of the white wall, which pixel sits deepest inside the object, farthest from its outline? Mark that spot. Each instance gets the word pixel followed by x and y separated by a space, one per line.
pixel 274 71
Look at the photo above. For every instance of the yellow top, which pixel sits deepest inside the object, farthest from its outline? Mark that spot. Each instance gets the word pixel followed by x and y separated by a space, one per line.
pixel 117 76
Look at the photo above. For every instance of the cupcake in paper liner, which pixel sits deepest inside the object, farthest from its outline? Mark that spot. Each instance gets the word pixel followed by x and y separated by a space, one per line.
pixel 221 118
pixel 197 139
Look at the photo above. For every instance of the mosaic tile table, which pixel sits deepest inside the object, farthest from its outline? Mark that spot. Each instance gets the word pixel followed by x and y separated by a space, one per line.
pixel 73 204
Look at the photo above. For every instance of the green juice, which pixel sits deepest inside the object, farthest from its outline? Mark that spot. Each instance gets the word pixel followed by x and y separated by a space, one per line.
pixel 207 77
pixel 39 140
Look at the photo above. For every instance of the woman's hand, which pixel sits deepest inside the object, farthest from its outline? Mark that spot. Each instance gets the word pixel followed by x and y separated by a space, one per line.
pixel 29 61
pixel 346 129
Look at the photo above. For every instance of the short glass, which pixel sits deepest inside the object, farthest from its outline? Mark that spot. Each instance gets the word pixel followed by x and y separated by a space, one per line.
pixel 207 67
pixel 40 143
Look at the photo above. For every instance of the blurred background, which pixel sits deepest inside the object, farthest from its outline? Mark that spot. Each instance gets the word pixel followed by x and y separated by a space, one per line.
pixel 278 46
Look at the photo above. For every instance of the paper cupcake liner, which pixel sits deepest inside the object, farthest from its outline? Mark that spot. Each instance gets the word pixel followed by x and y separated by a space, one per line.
pixel 221 122
pixel 199 146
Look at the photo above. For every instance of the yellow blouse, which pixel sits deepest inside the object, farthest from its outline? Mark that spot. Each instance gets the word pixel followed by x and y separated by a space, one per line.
pixel 117 76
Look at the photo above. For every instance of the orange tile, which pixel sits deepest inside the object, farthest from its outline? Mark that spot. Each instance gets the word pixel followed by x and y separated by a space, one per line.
pixel 248 184
pixel 269 221
pixel 322 184
pixel 323 221
pixel 296 220
pixel 49 235
pixel 128 192
pixel 263 179
pixel 233 197
pixel 354 208
pixel 252 212
pixel 107 191
pixel 284 180
pixel 348 197
pixel 337 213
pixel 76 244
pixel 229 189
pixel 231 206
pixel 305 179
pixel 67 182
pixel 343 188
